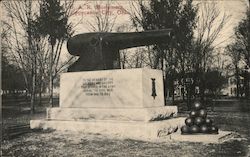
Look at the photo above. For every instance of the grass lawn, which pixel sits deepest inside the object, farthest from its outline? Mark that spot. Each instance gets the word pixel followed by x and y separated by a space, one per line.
pixel 55 143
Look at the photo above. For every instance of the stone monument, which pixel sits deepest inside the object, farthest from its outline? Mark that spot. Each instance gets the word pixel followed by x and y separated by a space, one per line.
pixel 97 97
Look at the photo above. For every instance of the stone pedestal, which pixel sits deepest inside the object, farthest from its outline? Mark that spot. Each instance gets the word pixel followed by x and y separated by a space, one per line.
pixel 128 88
pixel 127 102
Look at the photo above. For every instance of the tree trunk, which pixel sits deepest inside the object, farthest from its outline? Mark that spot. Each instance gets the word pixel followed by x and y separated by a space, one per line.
pixel 51 77
pixel 183 93
pixel 246 84
pixel 183 87
pixel 172 85
pixel 202 87
pixel 237 81
pixel 173 98
pixel 33 73
pixel 40 91
pixel 123 62
pixel 165 90
pixel 188 97
pixel 40 96
pixel 33 90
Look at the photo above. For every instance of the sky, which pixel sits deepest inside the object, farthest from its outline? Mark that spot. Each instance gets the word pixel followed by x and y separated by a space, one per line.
pixel 234 8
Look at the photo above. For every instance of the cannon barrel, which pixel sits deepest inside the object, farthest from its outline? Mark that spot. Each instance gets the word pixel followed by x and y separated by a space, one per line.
pixel 79 44
pixel 100 51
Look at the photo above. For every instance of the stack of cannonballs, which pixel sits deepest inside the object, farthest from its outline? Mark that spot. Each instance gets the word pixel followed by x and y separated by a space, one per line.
pixel 197 122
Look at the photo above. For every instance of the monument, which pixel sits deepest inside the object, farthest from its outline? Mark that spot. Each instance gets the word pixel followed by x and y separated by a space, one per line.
pixel 98 97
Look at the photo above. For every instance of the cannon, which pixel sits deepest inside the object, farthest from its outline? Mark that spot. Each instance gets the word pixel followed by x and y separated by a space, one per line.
pixel 100 50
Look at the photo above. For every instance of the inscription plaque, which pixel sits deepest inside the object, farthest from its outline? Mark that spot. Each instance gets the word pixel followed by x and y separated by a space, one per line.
pixel 98 86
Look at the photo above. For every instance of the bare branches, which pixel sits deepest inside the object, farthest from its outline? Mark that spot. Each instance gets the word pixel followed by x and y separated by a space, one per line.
pixel 210 23
pixel 27 48
pixel 103 20
pixel 19 15
pixel 136 13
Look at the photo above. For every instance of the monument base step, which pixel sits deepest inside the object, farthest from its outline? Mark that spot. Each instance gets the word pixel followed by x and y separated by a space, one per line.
pixel 116 114
pixel 134 130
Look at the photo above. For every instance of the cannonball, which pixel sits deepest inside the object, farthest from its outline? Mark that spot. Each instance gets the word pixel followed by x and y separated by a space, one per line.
pixel 198 121
pixel 185 129
pixel 204 129
pixel 193 114
pixel 202 113
pixel 214 130
pixel 194 129
pixel 189 121
pixel 197 105
pixel 208 121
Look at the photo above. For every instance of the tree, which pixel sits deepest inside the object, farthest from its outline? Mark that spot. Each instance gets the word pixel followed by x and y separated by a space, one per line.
pixel 233 51
pixel 242 32
pixel 53 23
pixel 210 24
pixel 176 14
pixel 215 82
pixel 27 49
pixel 20 15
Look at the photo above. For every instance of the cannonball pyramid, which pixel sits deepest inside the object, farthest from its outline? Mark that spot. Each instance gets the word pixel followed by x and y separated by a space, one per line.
pixel 197 122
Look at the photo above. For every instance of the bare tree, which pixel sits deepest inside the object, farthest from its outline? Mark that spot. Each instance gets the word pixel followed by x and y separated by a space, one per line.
pixel 28 49
pixel 209 27
pixel 56 13
pixel 210 24
pixel 20 16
